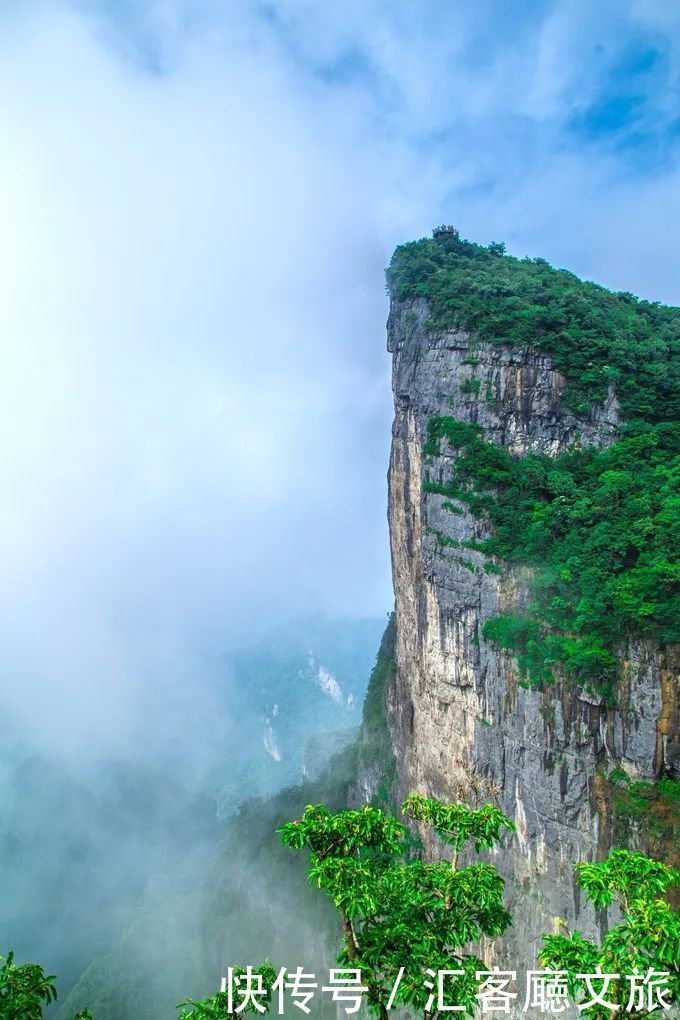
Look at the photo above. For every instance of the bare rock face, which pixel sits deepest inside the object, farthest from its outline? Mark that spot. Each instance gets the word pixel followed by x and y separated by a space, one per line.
pixel 461 727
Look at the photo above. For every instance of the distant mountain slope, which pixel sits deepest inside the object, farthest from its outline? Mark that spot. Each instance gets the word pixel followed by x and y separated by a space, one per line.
pixel 297 698
pixel 98 862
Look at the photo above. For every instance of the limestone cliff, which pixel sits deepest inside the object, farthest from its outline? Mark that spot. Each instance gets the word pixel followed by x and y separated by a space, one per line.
pixel 461 726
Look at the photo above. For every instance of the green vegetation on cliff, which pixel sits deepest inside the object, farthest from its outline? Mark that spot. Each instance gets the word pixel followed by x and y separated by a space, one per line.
pixel 376 754
pixel 601 532
pixel 598 528
pixel 652 810
pixel 596 338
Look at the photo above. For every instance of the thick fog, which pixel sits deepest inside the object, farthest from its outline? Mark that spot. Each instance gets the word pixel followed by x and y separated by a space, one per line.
pixel 198 199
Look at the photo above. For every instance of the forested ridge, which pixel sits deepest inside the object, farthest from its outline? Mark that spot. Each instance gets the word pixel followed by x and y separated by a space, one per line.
pixel 597 338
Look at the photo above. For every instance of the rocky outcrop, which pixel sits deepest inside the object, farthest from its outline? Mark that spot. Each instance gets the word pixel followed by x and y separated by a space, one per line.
pixel 460 725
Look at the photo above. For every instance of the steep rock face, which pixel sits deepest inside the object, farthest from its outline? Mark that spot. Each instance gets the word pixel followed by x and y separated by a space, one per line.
pixel 460 725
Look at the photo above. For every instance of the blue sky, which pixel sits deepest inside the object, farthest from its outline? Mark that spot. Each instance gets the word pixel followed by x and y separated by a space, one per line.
pixel 198 202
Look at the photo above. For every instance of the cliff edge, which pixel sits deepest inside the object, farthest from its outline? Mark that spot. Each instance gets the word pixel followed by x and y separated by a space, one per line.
pixel 554 721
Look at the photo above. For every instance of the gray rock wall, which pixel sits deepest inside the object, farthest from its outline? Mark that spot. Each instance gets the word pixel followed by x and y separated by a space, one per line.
pixel 460 725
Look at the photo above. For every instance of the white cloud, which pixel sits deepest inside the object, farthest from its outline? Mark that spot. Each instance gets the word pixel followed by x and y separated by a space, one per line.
pixel 197 202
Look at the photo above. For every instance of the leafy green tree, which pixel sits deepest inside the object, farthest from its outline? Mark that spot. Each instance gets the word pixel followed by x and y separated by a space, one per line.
pixel 647 938
pixel 25 989
pixel 400 915
pixel 217 1007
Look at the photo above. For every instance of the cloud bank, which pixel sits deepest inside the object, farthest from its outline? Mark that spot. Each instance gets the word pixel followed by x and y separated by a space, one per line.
pixel 197 202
